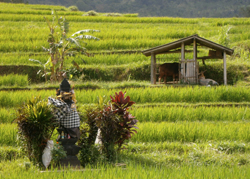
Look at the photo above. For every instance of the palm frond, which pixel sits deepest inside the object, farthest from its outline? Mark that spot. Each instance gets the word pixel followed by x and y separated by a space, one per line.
pixel 84 31
pixel 45 49
pixel 74 41
pixel 37 61
pixel 89 37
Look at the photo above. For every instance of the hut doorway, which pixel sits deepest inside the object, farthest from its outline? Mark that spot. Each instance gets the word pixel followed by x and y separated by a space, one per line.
pixel 188 72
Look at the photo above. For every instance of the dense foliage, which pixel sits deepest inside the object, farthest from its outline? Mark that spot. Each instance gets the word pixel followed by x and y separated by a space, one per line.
pixel 115 124
pixel 35 123
pixel 89 153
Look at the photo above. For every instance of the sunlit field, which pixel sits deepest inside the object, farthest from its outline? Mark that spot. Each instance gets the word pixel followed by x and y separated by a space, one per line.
pixel 184 131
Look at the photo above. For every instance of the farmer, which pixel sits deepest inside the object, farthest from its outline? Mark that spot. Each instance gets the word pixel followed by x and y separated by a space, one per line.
pixel 65 110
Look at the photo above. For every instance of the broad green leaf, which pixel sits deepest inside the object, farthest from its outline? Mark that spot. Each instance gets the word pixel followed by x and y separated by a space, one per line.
pixel 73 40
pixel 87 37
pixel 84 31
pixel 33 60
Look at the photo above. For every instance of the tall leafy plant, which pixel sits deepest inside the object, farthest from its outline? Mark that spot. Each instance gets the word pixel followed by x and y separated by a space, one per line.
pixel 35 125
pixel 61 46
pixel 127 123
pixel 116 124
pixel 89 153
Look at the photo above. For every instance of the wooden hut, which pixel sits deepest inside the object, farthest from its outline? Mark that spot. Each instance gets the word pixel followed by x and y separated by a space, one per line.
pixel 189 69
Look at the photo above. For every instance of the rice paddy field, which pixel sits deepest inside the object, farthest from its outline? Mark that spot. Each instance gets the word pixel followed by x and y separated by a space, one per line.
pixel 184 131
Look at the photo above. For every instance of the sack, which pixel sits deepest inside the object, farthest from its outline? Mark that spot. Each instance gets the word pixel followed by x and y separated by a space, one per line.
pixel 47 154
pixel 98 137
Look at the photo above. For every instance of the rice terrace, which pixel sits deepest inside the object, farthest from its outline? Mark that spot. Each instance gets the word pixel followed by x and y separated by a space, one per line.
pixel 184 128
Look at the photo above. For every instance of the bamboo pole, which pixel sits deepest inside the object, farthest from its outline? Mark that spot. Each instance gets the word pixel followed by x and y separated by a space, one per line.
pixel 153 69
pixel 195 61
pixel 225 67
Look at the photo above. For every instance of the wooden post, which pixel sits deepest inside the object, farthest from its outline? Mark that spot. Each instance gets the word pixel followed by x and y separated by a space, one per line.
pixel 153 69
pixel 182 65
pixel 182 51
pixel 225 67
pixel 195 61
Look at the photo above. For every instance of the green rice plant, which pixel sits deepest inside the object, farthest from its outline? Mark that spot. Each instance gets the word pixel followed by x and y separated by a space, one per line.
pixel 23 59
pixel 133 170
pixel 201 113
pixel 20 6
pixel 222 153
pixel 182 94
pixel 126 31
pixel 115 59
pixel 14 80
pixel 17 98
pixel 134 39
pixel 186 94
pixel 195 155
pixel 34 17
pixel 97 85
pixel 21 17
pixel 18 46
pixel 90 96
pixel 132 19
pixel 108 44
pixel 7 115
pixel 10 153
pixel 192 131
pixel 129 36
pixel 8 134
pixel 171 114
pixel 164 131
pixel 131 15
pixel 183 148
pixel 135 31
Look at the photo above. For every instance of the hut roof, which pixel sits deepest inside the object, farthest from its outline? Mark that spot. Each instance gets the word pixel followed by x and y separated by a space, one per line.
pixel 187 41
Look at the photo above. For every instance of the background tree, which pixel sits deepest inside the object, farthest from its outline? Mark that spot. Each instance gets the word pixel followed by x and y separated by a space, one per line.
pixel 14 1
pixel 245 11
pixel 177 8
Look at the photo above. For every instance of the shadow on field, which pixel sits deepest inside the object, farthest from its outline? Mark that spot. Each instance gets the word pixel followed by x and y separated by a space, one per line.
pixel 139 160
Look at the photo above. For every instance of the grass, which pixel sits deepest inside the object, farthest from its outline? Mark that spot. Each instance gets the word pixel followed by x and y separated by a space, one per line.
pixel 199 113
pixel 8 153
pixel 133 33
pixel 177 147
pixel 192 131
pixel 166 131
pixel 7 115
pixel 8 134
pixel 14 80
pixel 133 170
pixel 141 95
pixel 190 94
